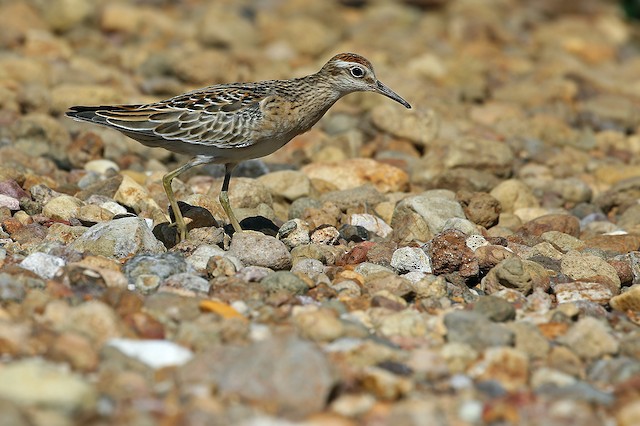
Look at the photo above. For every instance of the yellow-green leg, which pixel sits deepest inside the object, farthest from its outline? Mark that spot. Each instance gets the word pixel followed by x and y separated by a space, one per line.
pixel 224 197
pixel 166 182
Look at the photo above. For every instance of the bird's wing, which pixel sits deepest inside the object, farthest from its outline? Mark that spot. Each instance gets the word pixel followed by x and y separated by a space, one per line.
pixel 220 116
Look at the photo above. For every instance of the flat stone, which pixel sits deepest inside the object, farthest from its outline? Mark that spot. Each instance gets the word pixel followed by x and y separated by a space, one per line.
pixel 120 238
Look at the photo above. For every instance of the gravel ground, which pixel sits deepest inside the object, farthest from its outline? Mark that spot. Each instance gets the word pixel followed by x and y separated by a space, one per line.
pixel 472 261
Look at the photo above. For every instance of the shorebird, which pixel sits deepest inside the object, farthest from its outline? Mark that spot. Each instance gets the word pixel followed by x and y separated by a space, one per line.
pixel 230 123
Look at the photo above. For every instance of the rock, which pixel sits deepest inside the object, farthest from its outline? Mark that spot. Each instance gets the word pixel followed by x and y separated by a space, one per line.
pixel 354 198
pixel 93 319
pixel 161 265
pixel 422 216
pixel 357 172
pixel 552 222
pixel 513 272
pixel 408 259
pixel 590 339
pixel 287 184
pixel 44 265
pixel 481 208
pixel 614 244
pixel 407 323
pixel 420 126
pixel 371 223
pixel 253 248
pixel 490 255
pixel 529 340
pixel 186 283
pixel 63 207
pixel 387 282
pixel 479 154
pixel 291 376
pixel 581 266
pixel 121 238
pixel 200 257
pixel 32 382
pixel 319 325
pixel 284 281
pixel 476 330
pixel 495 308
pixel 564 242
pixel 514 195
pixel 627 301
pixel 449 253
pixel 507 366
pixel 596 292
pixel 325 235
pixel 155 354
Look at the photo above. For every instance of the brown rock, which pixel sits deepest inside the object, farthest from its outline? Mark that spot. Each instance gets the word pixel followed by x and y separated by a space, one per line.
pixel 489 256
pixel 552 222
pixel 627 301
pixel 480 208
pixel 617 244
pixel 357 172
pixel 449 253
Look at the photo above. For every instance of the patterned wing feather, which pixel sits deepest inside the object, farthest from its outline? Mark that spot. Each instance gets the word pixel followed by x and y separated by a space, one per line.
pixel 216 116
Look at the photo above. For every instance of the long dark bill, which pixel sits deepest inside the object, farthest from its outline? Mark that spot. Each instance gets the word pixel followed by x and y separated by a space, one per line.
pixel 384 90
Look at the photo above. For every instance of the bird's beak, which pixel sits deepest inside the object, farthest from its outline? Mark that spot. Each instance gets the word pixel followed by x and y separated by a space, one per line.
pixel 384 90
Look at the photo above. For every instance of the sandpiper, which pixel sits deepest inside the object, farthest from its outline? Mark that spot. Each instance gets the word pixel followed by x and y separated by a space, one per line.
pixel 230 123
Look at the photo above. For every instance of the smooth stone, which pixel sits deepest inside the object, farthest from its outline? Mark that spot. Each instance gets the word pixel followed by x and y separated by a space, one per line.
pixel 287 184
pixel 200 257
pixel 254 248
pixel 155 354
pixel 285 281
pixel 357 172
pixel 63 207
pixel 121 238
pixel 371 223
pixel 495 308
pixel 419 125
pixel 514 195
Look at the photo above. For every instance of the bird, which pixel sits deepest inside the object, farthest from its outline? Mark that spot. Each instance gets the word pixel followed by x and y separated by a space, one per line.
pixel 230 123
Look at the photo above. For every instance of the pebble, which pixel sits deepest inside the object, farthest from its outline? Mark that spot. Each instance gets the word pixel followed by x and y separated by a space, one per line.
pixel 422 216
pixel 495 308
pixel 358 172
pixel 290 374
pixel 627 301
pixel 371 223
pixel 585 266
pixel 284 281
pixel 410 259
pixel 44 265
pixel 253 248
pixel 590 339
pixel 63 207
pixel 155 354
pixel 33 382
pixel 475 330
pixel 120 239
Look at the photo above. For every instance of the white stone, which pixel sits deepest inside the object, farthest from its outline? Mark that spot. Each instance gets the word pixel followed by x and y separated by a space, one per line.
pixel 153 353
pixel 42 264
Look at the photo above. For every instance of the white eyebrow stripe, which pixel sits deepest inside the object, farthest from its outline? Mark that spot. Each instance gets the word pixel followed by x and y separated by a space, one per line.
pixel 345 64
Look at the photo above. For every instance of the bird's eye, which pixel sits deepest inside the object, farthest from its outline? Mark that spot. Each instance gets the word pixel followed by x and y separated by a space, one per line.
pixel 357 72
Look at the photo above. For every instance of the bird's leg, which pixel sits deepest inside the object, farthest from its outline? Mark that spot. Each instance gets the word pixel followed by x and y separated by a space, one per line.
pixel 166 182
pixel 224 197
